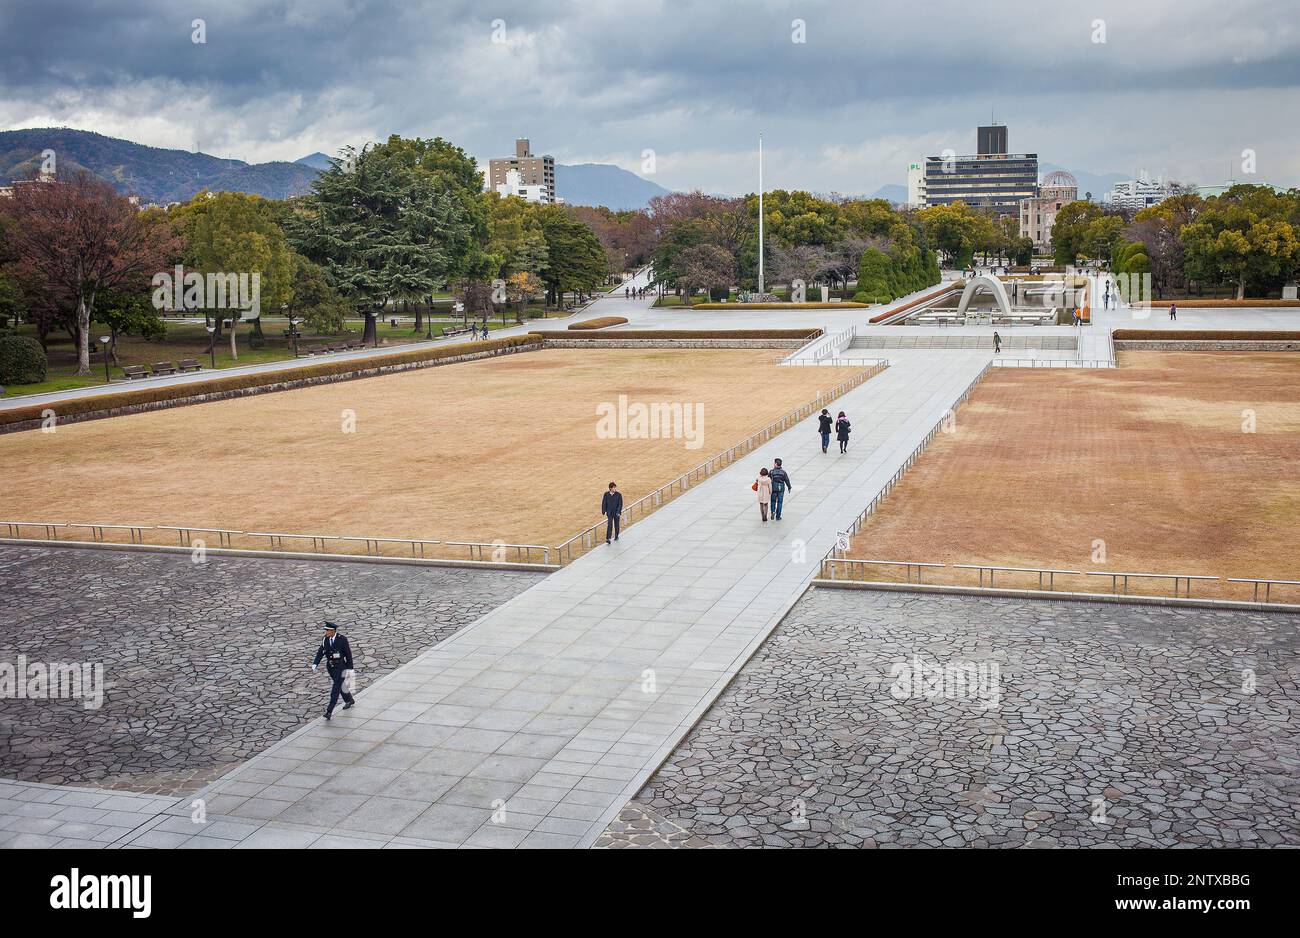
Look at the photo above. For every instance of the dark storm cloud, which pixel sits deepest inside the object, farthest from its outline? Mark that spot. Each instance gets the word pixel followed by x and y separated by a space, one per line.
pixel 606 80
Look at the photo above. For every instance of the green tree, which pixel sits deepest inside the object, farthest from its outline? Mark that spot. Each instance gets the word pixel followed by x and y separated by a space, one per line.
pixel 394 221
pixel 1070 230
pixel 576 259
pixel 235 233
pixel 1245 236
pixel 315 299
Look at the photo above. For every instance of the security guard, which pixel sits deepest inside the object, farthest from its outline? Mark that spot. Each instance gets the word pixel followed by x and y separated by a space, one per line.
pixel 336 651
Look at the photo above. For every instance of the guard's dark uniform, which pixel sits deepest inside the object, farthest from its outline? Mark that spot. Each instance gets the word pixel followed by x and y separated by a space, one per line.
pixel 338 658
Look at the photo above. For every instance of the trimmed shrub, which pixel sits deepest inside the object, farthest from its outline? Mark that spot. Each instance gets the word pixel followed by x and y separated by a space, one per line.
pixel 600 322
pixel 814 305
pixel 696 334
pixel 22 360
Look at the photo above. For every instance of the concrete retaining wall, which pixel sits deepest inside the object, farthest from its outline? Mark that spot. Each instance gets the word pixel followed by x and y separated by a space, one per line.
pixel 1188 345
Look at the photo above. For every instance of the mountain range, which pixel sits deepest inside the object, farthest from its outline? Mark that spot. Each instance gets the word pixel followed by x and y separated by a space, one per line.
pixel 163 176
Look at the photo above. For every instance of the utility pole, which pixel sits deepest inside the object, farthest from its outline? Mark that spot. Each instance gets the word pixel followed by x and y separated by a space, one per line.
pixel 760 214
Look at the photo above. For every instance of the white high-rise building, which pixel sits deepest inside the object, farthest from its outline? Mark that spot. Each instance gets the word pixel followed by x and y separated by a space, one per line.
pixel 1138 193
pixel 514 185
pixel 915 185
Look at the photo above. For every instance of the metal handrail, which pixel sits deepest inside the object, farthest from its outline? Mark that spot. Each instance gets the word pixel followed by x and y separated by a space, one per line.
pixel 910 565
pixel 521 550
pixel 1051 574
pixel 1176 577
pixel 1053 363
pixel 586 538
pixel 51 527
pixel 1268 585
pixel 186 534
pixel 372 543
pixel 97 530
pixel 277 540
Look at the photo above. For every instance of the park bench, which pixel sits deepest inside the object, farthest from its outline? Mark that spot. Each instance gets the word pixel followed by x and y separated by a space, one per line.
pixel 355 344
pixel 164 368
pixel 135 371
pixel 449 332
pixel 189 364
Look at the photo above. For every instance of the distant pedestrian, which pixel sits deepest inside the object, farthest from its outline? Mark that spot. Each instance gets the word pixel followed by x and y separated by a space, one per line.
pixel 824 428
pixel 1173 311
pixel 842 429
pixel 997 343
pixel 336 651
pixel 611 506
pixel 780 482
pixel 485 330
pixel 763 486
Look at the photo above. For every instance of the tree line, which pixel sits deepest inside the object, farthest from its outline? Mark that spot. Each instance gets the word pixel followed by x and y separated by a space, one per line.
pixel 390 222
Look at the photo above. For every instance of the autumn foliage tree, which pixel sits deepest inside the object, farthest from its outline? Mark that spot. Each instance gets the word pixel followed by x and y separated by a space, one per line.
pixel 78 238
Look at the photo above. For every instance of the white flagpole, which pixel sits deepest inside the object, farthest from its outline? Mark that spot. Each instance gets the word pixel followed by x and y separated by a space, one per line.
pixel 760 213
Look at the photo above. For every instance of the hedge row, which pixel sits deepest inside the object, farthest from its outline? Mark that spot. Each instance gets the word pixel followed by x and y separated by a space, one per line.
pixel 747 306
pixel 1229 304
pixel 218 384
pixel 599 323
pixel 697 334
pixel 1202 335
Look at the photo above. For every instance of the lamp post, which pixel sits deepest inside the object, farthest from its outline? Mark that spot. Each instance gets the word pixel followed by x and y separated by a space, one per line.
pixel 104 340
pixel 212 344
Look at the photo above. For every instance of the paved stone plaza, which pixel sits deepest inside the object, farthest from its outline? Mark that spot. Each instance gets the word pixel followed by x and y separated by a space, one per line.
pixel 206 664
pixel 1141 706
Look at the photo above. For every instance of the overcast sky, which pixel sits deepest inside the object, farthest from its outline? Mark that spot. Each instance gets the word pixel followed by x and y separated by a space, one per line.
pixel 1179 87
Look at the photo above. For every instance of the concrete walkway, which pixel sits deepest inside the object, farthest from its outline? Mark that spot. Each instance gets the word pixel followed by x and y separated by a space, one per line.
pixel 534 726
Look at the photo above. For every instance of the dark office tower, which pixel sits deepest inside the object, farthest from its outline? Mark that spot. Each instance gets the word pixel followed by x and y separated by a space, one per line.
pixel 992 141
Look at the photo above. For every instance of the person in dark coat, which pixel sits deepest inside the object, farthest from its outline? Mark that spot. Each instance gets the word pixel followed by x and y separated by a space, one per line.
pixel 336 651
pixel 842 428
pixel 611 506
pixel 780 482
pixel 824 428
pixel 997 343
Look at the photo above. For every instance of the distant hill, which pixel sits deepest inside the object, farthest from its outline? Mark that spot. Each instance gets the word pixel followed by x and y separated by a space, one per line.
pixel 892 193
pixel 154 174
pixel 604 184
pixel 317 160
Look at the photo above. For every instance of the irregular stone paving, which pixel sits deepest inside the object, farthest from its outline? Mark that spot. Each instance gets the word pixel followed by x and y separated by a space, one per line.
pixel 205 664
pixel 1146 708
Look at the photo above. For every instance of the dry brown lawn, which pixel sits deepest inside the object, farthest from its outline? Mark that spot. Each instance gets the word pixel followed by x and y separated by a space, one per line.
pixel 1150 458
pixel 500 449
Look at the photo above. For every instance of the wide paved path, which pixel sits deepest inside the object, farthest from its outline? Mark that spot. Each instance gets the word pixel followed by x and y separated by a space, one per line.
pixel 535 725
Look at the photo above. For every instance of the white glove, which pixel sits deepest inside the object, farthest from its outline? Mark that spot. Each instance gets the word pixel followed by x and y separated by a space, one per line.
pixel 313 667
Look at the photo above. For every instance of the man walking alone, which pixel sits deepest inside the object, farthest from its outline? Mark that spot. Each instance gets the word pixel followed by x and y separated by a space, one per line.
pixel 611 506
pixel 336 651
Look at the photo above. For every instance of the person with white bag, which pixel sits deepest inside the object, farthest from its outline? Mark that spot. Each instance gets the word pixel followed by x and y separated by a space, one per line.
pixel 336 651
